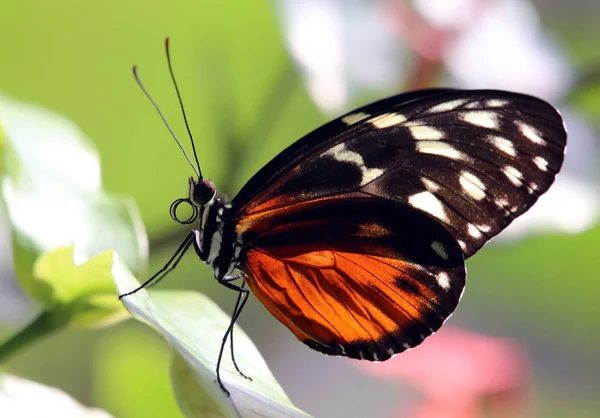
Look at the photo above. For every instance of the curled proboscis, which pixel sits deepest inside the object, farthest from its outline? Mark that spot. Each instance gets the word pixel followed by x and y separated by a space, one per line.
pixel 173 210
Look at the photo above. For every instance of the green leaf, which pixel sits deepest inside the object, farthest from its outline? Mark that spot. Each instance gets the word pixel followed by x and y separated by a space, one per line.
pixel 85 294
pixel 23 398
pixel 52 188
pixel 194 326
pixel 81 296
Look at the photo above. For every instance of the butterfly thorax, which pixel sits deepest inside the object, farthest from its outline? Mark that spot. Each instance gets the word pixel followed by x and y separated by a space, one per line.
pixel 217 239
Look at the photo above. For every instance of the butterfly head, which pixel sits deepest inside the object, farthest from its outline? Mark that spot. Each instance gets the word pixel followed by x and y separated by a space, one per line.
pixel 202 192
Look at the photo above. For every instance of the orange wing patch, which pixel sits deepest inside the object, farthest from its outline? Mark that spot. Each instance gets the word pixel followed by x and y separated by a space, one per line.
pixel 353 304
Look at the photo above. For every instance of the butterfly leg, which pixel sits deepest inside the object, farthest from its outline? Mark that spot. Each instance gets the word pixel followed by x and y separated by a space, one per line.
pixel 242 298
pixel 170 265
pixel 239 306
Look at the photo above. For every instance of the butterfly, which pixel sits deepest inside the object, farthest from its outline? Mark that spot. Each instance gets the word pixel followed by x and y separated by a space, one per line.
pixel 355 236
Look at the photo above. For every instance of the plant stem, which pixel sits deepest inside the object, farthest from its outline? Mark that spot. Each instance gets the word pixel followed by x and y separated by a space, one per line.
pixel 41 326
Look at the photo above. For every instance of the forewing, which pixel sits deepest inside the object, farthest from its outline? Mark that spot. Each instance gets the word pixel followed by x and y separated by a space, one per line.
pixel 362 277
pixel 474 160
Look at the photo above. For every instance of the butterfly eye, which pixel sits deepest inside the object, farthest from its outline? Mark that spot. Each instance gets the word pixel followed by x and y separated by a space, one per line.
pixel 185 221
pixel 202 193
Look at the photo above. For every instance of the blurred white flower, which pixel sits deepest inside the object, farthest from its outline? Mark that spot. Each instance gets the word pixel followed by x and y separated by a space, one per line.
pixel 341 48
pixel 348 48
pixel 500 44
pixel 20 398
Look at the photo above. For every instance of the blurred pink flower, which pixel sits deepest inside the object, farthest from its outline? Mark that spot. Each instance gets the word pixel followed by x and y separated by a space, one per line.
pixel 461 374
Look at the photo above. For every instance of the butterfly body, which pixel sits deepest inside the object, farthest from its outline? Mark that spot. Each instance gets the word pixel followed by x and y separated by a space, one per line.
pixel 355 236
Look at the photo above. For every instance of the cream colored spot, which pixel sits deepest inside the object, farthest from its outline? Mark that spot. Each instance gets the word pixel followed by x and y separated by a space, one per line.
pixel 484 228
pixel 530 133
pixel 340 153
pixel 502 203
pixel 423 132
pixel 462 244
pixel 427 202
pixel 440 148
pixel 353 118
pixel 496 103
pixel 485 119
pixel 541 163
pixel 513 175
pixel 473 105
pixel 447 106
pixel 472 185
pixel 503 144
pixel 391 351
pixel 474 232
pixel 440 250
pixel 431 185
pixel 388 120
pixel 443 280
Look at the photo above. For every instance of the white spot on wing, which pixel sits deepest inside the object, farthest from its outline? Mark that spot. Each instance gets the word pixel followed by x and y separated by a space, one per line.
pixel 440 250
pixel 472 185
pixel 443 280
pixel 503 144
pixel 353 118
pixel 462 244
pixel 483 118
pixel 427 202
pixel 440 148
pixel 541 163
pixel 530 133
pixel 423 132
pixel 502 203
pixel 447 106
pixel 473 105
pixel 430 185
pixel 496 103
pixel 513 175
pixel 388 120
pixel 484 228
pixel 375 357
pixel 474 232
pixel 340 153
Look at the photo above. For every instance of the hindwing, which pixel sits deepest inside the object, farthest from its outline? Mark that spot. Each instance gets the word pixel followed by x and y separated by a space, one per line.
pixel 361 276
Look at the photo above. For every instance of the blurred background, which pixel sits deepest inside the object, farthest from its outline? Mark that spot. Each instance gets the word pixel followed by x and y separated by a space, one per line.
pixel 257 75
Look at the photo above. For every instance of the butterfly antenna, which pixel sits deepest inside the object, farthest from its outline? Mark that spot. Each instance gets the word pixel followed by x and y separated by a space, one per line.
pixel 137 79
pixel 187 126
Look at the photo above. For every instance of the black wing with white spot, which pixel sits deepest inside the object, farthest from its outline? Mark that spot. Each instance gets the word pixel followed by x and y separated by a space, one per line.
pixel 355 236
pixel 473 159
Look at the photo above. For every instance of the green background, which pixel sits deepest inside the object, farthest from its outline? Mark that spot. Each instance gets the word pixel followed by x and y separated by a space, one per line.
pixel 75 58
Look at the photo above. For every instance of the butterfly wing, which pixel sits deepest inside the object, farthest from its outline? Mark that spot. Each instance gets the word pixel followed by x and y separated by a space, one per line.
pixel 473 159
pixel 419 182
pixel 359 276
